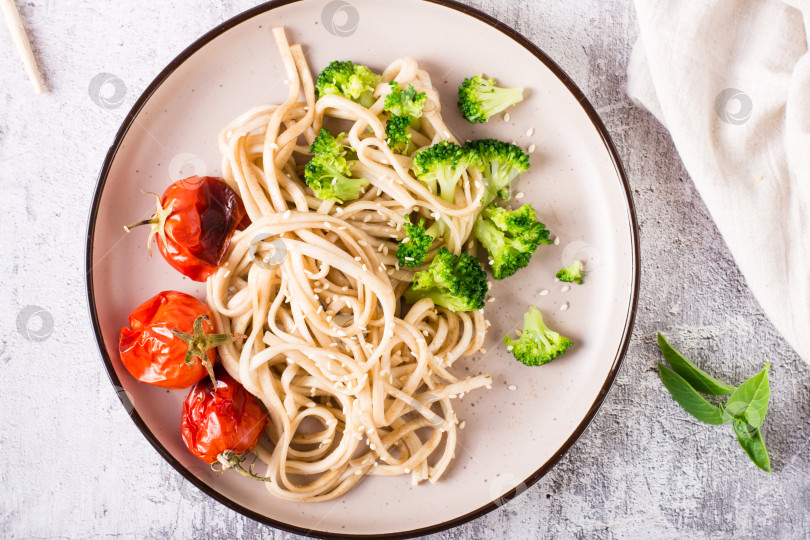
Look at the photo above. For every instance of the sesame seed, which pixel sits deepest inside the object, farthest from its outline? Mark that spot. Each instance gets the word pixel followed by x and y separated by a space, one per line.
pixel 358 259
pixel 519 195
pixel 512 387
pixel 530 132
pixel 566 288
pixel 557 241
pixel 510 347
pixel 491 299
pixel 564 306
pixel 532 148
pixel 543 292
pixel 505 117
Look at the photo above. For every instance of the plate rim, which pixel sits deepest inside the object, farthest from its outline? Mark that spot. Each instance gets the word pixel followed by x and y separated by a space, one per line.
pixel 597 123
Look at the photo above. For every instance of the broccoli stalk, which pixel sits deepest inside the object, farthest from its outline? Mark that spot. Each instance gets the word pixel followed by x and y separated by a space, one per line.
pixel 479 98
pixel 538 344
pixel 510 237
pixel 456 282
pixel 352 81
pixel 500 164
pixel 399 139
pixel 573 272
pixel 440 167
pixel 328 173
pixel 407 102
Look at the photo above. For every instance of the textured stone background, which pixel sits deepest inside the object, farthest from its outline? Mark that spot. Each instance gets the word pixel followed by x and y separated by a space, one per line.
pixel 73 465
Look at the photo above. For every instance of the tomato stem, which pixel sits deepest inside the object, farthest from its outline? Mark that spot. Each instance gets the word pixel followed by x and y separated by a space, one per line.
pixel 231 460
pixel 199 342
pixel 157 222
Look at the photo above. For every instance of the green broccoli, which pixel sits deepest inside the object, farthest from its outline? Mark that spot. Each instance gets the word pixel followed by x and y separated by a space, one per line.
pixel 456 282
pixel 500 164
pixel 440 167
pixel 352 81
pixel 326 145
pixel 412 251
pixel 538 344
pixel 399 139
pixel 573 272
pixel 407 102
pixel 479 98
pixel 510 237
pixel 328 173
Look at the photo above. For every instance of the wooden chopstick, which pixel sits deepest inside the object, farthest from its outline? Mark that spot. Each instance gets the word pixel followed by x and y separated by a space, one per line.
pixel 20 39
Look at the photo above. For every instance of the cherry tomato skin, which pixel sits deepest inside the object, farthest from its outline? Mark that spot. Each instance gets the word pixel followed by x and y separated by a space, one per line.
pixel 228 418
pixel 205 213
pixel 149 350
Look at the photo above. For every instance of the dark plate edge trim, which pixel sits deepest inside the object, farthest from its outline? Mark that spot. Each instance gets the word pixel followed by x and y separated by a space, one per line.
pixel 537 475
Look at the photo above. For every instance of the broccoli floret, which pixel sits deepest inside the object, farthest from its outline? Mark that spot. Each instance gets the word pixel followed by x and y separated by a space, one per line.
pixel 328 173
pixel 500 164
pixel 325 144
pixel 479 98
pixel 510 237
pixel 456 282
pixel 573 272
pixel 412 251
pixel 440 167
pixel 352 81
pixel 407 102
pixel 538 344
pixel 399 139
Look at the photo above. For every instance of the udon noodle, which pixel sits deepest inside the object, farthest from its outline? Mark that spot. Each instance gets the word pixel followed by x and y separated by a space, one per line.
pixel 354 383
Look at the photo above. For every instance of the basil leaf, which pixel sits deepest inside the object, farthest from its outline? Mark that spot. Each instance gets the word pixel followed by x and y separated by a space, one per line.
pixel 690 399
pixel 751 440
pixel 749 402
pixel 699 379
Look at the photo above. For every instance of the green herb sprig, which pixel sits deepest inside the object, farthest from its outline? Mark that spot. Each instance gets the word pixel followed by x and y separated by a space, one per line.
pixel 745 408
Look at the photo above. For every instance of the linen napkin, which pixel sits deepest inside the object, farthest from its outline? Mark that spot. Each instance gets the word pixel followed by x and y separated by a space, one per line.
pixel 730 80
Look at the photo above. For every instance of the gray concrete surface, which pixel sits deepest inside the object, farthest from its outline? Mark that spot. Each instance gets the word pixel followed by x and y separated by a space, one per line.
pixel 73 465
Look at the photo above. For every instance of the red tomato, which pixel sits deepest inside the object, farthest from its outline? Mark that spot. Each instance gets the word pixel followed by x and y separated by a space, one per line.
pixel 217 420
pixel 194 221
pixel 159 347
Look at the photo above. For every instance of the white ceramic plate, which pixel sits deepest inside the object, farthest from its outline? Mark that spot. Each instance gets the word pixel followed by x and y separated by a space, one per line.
pixel 515 432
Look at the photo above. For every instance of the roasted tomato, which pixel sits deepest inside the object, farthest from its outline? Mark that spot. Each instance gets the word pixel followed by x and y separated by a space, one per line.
pixel 195 220
pixel 167 342
pixel 222 422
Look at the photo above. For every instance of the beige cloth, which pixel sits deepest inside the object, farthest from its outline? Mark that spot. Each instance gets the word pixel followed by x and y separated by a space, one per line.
pixel 730 79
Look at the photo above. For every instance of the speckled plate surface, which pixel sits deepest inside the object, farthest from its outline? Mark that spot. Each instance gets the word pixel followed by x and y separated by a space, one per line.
pixel 515 432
